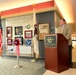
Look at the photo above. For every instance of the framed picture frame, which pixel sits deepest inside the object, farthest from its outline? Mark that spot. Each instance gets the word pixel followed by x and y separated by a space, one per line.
pixel 20 39
pixel 9 41
pixel 43 30
pixel 28 34
pixel 28 42
pixel 19 30
pixel 9 32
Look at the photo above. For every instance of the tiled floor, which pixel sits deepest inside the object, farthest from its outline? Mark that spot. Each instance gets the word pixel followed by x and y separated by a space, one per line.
pixel 67 72
pixel 70 71
pixel 37 68
pixel 7 66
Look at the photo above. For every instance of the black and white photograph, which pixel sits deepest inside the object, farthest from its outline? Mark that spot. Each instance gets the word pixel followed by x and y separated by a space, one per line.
pixel 19 30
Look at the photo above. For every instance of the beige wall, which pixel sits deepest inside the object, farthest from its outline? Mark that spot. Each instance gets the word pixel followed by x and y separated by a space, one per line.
pixel 73 27
pixel 23 21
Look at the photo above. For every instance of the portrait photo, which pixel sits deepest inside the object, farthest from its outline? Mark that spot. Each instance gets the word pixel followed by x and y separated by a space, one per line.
pixel 19 30
pixel 9 32
pixel 9 41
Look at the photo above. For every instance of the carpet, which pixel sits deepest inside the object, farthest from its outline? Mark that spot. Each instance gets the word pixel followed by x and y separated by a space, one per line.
pixel 29 68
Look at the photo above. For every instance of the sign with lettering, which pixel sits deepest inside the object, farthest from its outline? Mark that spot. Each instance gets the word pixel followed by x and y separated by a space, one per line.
pixel 50 41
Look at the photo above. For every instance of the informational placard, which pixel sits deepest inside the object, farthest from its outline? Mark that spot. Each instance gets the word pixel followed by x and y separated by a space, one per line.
pixel 23 49
pixel 50 41
pixel 43 30
pixel 11 49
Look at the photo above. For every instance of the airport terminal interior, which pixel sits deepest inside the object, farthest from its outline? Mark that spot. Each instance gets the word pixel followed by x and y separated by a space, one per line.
pixel 29 40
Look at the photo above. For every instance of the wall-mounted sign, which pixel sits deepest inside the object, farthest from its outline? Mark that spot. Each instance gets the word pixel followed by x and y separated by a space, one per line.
pixel 43 30
pixel 28 26
pixel 28 42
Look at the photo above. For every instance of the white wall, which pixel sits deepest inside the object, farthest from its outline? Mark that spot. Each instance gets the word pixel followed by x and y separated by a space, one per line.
pixel 16 21
pixel 23 20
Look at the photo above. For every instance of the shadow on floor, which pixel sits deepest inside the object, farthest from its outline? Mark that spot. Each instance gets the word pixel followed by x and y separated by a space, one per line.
pixel 40 71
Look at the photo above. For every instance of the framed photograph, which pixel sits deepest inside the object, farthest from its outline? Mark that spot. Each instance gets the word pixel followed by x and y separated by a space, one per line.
pixel 9 41
pixel 28 34
pixel 19 30
pixel 20 39
pixel 43 30
pixel 9 32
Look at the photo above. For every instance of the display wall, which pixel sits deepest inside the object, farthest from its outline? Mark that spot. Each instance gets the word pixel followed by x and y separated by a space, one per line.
pixel 19 27
pixel 24 22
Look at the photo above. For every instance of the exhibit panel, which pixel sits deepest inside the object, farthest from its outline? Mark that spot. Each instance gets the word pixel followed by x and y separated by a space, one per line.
pixel 24 50
pixel 19 27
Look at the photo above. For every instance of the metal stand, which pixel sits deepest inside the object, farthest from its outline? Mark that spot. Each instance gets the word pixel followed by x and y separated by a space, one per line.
pixel 18 66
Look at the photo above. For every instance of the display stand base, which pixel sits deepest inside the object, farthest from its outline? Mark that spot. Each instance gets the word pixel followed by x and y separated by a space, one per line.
pixel 18 66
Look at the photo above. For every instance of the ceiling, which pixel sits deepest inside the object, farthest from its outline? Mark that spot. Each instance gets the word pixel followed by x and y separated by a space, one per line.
pixel 9 4
pixel 67 7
